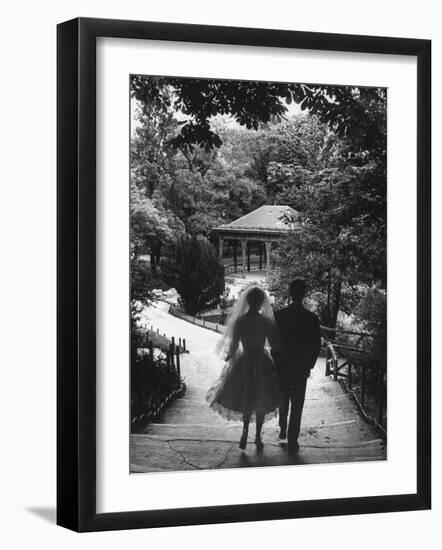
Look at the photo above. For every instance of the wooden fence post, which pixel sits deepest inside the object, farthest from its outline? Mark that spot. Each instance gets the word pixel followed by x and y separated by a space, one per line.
pixel 169 371
pixel 172 354
pixel 178 363
pixel 184 344
pixel 327 361
pixel 362 398
pixel 335 369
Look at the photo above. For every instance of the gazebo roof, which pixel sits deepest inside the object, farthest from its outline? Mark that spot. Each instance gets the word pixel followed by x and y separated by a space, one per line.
pixel 267 218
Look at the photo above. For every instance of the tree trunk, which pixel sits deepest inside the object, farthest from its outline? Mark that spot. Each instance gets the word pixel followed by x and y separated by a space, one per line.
pixel 328 292
pixel 336 301
pixel 330 316
pixel 155 254
pixel 153 263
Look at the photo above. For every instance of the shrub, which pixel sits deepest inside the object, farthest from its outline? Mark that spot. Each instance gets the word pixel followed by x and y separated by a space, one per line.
pixel 372 312
pixel 193 268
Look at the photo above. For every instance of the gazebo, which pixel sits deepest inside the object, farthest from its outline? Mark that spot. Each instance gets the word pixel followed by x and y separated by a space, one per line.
pixel 267 224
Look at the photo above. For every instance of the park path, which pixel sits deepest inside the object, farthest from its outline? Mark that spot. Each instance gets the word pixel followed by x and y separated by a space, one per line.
pixel 190 436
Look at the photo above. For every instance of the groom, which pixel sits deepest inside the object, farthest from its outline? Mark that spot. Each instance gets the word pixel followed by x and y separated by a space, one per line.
pixel 300 341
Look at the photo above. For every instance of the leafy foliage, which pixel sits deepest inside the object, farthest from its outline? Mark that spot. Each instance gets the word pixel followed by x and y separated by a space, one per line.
pixel 341 243
pixel 341 240
pixel 193 171
pixel 149 157
pixel 152 229
pixel 350 112
pixel 151 224
pixel 372 313
pixel 152 382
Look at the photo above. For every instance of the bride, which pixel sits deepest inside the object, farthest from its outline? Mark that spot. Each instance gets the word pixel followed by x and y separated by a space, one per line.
pixel 248 385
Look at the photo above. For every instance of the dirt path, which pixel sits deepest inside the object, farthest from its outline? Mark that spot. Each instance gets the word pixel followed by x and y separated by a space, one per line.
pixel 192 436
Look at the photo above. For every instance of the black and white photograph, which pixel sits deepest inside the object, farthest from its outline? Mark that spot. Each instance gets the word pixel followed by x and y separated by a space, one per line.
pixel 219 254
pixel 258 274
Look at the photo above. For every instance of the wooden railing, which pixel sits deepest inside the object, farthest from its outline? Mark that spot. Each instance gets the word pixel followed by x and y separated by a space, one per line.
pixel 176 312
pixel 350 365
pixel 162 341
pixel 330 334
pixel 228 269
pixel 254 265
pixel 154 381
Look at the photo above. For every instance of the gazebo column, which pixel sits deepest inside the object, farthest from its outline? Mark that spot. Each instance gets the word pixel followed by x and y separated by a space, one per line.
pixel 268 244
pixel 248 256
pixel 221 243
pixel 243 250
pixel 260 255
pixel 235 257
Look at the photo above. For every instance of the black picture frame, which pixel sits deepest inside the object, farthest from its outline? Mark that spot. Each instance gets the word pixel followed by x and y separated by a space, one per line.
pixel 76 274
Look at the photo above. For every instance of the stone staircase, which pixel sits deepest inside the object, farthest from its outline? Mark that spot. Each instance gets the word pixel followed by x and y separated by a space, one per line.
pixel 190 436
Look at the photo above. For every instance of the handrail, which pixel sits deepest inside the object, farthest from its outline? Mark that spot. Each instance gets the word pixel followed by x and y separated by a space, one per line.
pixel 216 327
pixel 343 331
pixel 332 367
pixel 332 350
pixel 228 269
pixel 348 347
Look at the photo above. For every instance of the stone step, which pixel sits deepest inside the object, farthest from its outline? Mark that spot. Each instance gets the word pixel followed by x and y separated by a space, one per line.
pixel 219 449
pixel 317 410
pixel 190 436
pixel 349 433
pixel 321 392
pixel 197 399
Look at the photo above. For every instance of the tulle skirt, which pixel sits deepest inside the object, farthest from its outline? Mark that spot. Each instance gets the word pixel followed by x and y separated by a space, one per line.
pixel 248 385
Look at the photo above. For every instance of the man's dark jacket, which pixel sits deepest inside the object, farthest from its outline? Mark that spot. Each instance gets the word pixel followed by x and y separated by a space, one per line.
pixel 300 338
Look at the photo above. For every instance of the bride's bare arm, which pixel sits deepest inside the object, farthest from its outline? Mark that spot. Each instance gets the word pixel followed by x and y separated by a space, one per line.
pixel 234 342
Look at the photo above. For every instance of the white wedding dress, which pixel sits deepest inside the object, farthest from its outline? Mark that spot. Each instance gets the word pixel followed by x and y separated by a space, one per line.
pixel 249 384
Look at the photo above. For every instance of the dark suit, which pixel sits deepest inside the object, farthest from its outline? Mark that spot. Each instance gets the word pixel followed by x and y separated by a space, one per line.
pixel 300 341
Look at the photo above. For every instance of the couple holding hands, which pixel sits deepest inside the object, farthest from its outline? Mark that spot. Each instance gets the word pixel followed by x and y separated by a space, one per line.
pixel 255 384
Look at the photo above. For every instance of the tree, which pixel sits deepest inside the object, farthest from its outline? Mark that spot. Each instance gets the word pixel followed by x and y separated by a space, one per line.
pixel 193 268
pixel 342 239
pixel 357 114
pixel 150 158
pixel 341 243
pixel 280 156
pixel 330 165
pixel 205 199
pixel 372 312
pixel 152 227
